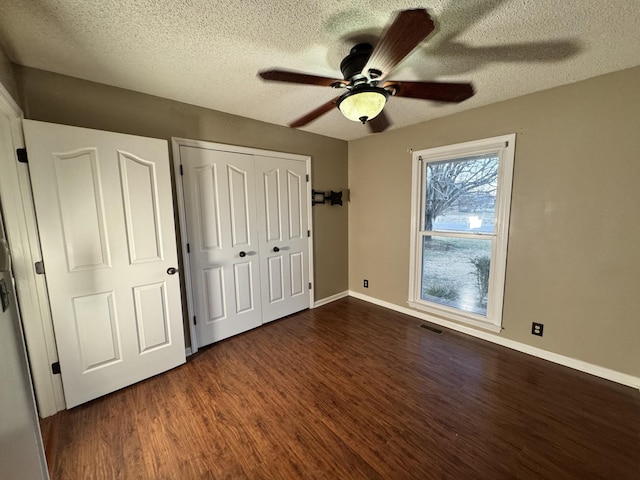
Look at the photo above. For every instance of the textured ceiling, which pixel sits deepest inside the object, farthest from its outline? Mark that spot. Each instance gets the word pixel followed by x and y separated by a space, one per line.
pixel 208 52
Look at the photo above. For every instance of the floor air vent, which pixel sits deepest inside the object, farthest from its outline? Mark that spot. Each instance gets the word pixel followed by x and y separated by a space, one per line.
pixel 431 329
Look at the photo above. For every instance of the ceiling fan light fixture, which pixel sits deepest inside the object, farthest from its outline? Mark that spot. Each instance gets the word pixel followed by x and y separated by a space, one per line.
pixel 362 104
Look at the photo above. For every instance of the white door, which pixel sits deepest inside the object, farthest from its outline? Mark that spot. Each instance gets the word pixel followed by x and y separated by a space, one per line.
pixel 284 244
pixel 105 215
pixel 247 222
pixel 220 203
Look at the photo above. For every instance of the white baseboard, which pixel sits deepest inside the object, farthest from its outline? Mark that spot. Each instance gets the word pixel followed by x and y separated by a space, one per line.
pixel 332 298
pixel 580 365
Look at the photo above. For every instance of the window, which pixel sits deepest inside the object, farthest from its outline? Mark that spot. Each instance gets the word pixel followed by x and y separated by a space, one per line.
pixel 460 223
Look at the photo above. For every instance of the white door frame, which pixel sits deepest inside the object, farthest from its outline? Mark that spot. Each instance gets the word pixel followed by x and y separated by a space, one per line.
pixel 22 234
pixel 176 143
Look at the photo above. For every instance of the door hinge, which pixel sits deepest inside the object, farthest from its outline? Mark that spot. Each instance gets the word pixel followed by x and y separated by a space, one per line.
pixel 195 322
pixel 309 233
pixel 188 248
pixel 307 177
pixel 309 285
pixel 22 155
pixel 39 267
pixel 181 171
pixel 55 368
pixel 4 295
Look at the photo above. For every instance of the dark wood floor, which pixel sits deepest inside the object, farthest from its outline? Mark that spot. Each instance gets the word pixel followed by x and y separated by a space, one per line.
pixel 354 391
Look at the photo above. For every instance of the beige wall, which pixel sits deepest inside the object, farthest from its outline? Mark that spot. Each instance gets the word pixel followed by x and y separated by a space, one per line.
pixel 7 78
pixel 56 98
pixel 573 258
pixel 574 243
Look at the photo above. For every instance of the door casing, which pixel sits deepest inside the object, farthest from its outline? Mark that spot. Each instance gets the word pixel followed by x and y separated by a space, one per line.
pixel 24 242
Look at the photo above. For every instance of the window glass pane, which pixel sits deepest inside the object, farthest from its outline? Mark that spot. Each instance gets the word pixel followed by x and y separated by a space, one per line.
pixel 461 194
pixel 455 272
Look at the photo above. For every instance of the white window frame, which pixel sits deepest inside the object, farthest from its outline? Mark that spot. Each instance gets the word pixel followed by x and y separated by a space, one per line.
pixel 504 147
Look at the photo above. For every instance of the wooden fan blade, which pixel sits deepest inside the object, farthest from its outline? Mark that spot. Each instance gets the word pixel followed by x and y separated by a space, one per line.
pixel 294 77
pixel 312 115
pixel 437 91
pixel 379 123
pixel 405 33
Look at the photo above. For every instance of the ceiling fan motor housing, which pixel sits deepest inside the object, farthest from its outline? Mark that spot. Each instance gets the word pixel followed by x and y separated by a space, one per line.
pixel 353 63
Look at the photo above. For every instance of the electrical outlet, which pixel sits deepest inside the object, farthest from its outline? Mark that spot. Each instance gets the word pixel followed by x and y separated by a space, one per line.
pixel 366 284
pixel 536 329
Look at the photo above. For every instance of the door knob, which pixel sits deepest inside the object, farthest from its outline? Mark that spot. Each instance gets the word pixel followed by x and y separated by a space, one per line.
pixel 276 249
pixel 172 270
pixel 244 254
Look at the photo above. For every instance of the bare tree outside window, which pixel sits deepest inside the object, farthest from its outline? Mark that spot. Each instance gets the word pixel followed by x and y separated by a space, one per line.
pixel 465 185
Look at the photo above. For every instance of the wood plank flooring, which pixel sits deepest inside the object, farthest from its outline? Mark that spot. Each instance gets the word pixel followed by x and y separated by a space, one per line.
pixel 353 391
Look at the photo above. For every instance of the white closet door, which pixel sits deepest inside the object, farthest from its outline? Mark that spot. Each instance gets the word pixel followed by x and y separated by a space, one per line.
pixel 284 244
pixel 247 220
pixel 220 204
pixel 105 215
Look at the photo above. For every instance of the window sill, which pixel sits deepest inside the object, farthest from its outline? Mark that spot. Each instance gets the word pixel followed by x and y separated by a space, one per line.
pixel 443 316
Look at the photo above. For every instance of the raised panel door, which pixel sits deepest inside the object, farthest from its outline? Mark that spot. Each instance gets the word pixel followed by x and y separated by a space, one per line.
pixel 105 215
pixel 284 245
pixel 220 204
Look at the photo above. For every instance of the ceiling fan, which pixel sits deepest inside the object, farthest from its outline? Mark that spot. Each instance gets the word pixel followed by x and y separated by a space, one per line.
pixel 365 70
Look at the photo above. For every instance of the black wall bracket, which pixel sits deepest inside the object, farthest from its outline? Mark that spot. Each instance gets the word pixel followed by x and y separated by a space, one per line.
pixel 333 198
